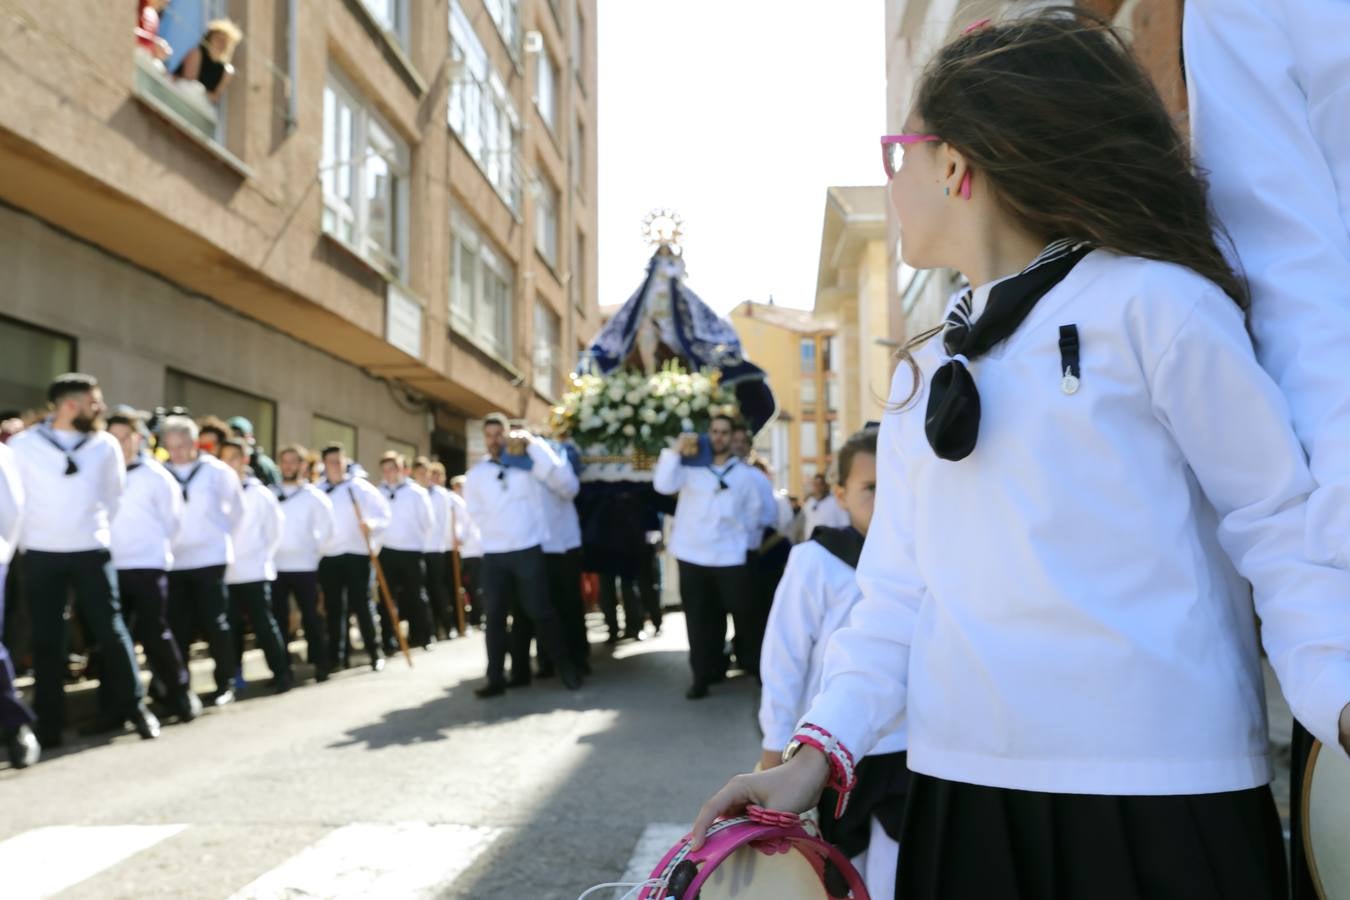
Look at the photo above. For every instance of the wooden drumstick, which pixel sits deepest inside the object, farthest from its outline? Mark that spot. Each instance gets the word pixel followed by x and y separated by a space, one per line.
pixel 379 577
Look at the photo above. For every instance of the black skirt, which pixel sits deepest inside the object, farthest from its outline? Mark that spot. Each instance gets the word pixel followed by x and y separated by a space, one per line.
pixel 963 842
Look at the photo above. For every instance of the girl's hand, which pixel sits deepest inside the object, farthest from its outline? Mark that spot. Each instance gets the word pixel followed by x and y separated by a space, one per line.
pixel 794 786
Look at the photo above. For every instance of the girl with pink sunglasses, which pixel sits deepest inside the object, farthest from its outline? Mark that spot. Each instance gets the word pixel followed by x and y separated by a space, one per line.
pixel 1084 481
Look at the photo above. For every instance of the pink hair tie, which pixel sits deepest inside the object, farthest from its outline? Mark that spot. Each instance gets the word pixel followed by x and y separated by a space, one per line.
pixel 975 26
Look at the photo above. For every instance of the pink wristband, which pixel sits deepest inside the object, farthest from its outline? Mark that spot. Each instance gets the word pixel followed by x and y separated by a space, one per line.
pixel 842 777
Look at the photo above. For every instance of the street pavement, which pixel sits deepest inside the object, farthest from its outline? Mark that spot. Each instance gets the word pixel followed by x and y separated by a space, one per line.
pixel 400 784
pixel 396 784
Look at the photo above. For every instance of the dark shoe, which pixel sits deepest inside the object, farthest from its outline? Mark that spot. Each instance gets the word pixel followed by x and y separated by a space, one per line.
pixel 187 706
pixel 223 697
pixel 545 672
pixel 377 664
pixel 586 669
pixel 145 723
pixel 49 739
pixel 24 749
pixel 283 683
pixel 101 725
pixel 697 691
pixel 321 675
pixel 571 679
pixel 612 639
pixel 489 690
pixel 518 682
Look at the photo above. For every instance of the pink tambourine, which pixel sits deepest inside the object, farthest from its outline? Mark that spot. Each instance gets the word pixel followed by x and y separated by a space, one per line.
pixel 760 855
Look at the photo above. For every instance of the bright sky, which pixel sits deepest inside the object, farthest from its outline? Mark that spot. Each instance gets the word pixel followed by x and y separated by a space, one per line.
pixel 738 114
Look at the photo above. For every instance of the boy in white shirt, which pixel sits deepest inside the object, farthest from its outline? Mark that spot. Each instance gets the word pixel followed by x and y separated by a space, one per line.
pixel 818 590
pixel 307 526
pixel 253 570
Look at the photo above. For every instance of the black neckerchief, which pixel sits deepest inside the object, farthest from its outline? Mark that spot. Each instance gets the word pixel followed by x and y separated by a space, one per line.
pixel 280 491
pixel 721 476
pixel 952 421
pixel 45 429
pixel 135 464
pixel 183 482
pixel 845 543
pixel 391 491
pixel 331 486
pixel 501 470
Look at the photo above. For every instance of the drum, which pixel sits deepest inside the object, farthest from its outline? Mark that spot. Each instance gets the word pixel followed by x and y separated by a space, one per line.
pixel 1326 821
pixel 762 855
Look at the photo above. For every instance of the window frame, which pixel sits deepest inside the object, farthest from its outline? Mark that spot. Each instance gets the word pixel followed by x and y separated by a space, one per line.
pixel 401 28
pixel 550 344
pixel 492 285
pixel 546 229
pixel 549 111
pixel 481 113
pixel 355 213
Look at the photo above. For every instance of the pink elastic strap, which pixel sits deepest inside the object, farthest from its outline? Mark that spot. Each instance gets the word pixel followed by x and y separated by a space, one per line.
pixel 842 777
pixel 975 26
pixel 965 186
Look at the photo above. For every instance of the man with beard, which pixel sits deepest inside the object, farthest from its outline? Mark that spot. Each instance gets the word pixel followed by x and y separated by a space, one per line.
pixel 716 520
pixel 360 514
pixel 306 529
pixel 213 504
pixel 142 546
pixel 73 477
pixel 404 543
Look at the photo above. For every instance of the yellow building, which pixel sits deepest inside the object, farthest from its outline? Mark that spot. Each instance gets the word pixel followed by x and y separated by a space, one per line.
pixel 852 291
pixel 797 351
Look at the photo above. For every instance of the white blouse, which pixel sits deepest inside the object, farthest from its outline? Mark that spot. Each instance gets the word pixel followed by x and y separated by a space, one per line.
pixel 1060 611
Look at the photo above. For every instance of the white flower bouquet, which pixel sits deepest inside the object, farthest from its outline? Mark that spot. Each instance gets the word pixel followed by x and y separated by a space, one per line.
pixel 635 414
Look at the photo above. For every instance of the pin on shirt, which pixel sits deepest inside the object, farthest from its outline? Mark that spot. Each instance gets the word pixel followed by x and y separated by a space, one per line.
pixel 1068 359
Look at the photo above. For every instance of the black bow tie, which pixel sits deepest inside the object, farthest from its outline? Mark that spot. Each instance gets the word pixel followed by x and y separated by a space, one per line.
pixel 952 421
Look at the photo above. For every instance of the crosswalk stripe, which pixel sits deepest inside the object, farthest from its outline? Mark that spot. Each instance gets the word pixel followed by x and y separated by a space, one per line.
pixel 406 860
pixel 45 861
pixel 652 844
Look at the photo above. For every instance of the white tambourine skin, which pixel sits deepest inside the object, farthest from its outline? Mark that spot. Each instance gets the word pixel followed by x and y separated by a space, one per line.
pixel 1070 383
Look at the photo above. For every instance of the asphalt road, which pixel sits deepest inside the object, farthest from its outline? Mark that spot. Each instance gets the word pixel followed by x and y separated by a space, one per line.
pixel 397 784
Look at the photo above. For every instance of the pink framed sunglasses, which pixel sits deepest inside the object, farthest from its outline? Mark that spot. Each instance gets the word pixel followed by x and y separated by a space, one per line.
pixel 893 144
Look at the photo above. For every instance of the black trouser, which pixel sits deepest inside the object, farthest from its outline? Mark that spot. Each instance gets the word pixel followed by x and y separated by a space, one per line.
pixel 610 586
pixel 708 593
pixel 145 605
pixel 345 580
pixel 471 569
pixel 516 583
pixel 255 598
pixel 50 576
pixel 406 578
pixel 13 711
pixel 198 600
pixel 437 568
pixel 564 592
pixel 304 587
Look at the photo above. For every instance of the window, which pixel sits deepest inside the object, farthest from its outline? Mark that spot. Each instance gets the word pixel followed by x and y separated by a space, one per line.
pixel 836 436
pixel 546 89
pixel 547 351
pixel 808 393
pixel 829 345
pixel 546 222
pixel 505 14
pixel 579 45
pixel 810 442
pixel 205 398
pixel 832 395
pixel 482 285
pixel 30 359
pixel 392 16
pixel 480 111
pixel 365 180
pixel 324 431
pixel 808 356
pixel 578 284
pixel 579 157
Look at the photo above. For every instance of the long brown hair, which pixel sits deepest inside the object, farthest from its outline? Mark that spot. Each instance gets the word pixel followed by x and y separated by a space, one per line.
pixel 1059 121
